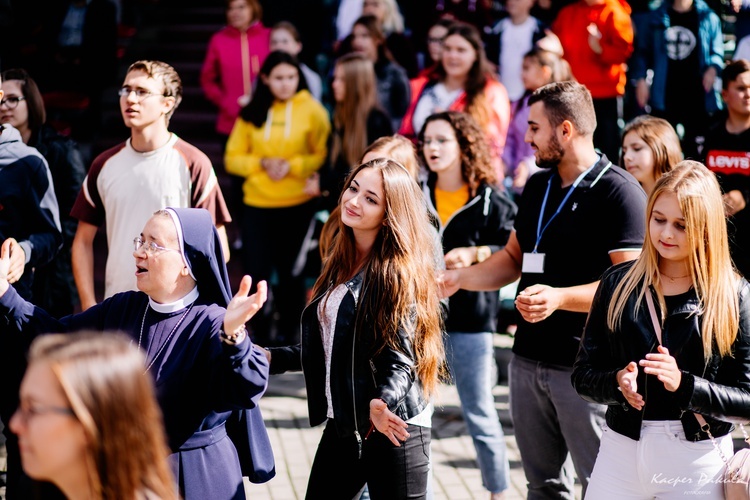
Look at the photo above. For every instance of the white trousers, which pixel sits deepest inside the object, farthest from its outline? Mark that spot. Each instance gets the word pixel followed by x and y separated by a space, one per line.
pixel 662 465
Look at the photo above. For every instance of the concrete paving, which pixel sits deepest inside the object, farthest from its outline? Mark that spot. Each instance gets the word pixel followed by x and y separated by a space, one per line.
pixel 456 474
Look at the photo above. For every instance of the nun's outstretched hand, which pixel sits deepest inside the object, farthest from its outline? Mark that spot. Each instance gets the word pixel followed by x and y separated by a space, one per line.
pixel 4 266
pixel 243 306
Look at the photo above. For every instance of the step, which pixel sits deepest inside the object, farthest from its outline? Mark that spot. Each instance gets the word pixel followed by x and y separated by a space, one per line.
pixel 189 32
pixel 203 14
pixel 178 49
pixel 193 99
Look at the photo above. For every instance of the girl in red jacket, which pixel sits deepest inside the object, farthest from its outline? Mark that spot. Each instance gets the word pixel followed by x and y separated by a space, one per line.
pixel 462 81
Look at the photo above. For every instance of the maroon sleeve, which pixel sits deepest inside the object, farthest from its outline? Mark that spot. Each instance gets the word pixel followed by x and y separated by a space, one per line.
pixel 205 191
pixel 91 209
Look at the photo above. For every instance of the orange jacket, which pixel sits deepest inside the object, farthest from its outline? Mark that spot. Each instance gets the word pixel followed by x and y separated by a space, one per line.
pixel 603 74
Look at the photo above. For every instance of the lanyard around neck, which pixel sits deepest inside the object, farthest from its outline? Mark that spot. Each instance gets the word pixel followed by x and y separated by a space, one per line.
pixel 539 229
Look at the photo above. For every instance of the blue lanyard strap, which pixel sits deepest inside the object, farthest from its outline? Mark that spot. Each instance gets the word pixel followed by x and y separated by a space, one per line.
pixel 539 229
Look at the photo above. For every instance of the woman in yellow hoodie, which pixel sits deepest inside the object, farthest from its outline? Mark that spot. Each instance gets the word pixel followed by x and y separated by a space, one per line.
pixel 278 141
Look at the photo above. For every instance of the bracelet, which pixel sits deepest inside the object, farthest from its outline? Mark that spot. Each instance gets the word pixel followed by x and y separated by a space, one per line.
pixel 235 338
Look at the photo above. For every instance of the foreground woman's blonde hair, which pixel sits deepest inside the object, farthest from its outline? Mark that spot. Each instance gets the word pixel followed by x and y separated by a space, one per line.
pixel 709 264
pixel 103 376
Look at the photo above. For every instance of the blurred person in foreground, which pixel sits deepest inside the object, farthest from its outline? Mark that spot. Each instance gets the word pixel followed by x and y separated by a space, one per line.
pixel 89 421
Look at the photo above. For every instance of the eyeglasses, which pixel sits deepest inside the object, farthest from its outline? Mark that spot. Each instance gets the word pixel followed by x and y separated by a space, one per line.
pixel 140 94
pixel 11 102
pixel 439 141
pixel 27 413
pixel 439 41
pixel 150 248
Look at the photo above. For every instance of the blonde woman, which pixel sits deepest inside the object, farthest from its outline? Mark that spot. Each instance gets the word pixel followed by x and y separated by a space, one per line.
pixel 89 421
pixel 658 375
pixel 388 14
pixel 356 97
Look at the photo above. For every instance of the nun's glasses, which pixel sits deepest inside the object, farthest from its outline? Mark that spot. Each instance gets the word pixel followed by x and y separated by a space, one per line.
pixel 150 248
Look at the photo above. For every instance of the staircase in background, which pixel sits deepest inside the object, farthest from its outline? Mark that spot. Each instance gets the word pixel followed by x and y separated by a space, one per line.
pixel 176 32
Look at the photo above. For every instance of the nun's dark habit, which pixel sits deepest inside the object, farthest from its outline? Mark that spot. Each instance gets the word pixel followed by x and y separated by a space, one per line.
pixel 201 382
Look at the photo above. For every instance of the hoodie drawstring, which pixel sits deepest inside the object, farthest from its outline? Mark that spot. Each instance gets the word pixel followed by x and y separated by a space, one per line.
pixel 287 122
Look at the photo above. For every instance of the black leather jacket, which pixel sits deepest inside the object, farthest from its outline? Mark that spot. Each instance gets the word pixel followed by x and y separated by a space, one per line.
pixel 719 389
pixel 359 373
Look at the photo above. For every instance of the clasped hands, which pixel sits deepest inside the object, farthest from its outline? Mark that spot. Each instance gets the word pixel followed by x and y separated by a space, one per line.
pixel 276 168
pixel 537 302
pixel 661 364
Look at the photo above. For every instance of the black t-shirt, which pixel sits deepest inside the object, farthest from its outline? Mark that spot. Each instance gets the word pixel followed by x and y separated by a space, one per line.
pixel 605 213
pixel 684 80
pixel 660 403
pixel 728 156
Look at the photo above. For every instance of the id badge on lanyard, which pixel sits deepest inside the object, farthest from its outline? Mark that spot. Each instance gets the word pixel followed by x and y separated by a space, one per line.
pixel 533 262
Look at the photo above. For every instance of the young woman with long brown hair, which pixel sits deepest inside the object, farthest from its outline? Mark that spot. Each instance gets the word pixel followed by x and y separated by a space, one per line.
pixel 368 38
pixel 358 120
pixel 371 348
pixel 89 421
pixel 395 147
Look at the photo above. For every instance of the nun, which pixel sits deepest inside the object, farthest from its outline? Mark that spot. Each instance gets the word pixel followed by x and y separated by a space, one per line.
pixel 205 367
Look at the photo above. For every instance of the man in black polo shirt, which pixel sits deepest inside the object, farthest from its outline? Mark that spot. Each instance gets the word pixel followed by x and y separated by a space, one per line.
pixel 577 217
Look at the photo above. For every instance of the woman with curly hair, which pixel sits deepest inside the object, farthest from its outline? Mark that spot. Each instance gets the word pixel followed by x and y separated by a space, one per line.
pixel 475 219
pixel 372 347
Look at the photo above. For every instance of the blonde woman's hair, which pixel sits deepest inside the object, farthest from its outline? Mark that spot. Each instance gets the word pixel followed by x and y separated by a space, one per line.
pixel 103 377
pixel 393 22
pixel 660 138
pixel 709 264
pixel 350 115
pixel 400 285
pixel 398 148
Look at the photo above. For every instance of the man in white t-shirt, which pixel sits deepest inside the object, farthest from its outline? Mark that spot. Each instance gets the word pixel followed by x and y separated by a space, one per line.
pixel 126 184
pixel 519 32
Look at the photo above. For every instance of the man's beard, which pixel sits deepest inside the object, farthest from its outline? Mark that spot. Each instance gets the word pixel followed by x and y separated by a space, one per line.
pixel 552 156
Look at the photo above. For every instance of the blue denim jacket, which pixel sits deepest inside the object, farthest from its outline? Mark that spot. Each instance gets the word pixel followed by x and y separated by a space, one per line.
pixel 651 53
